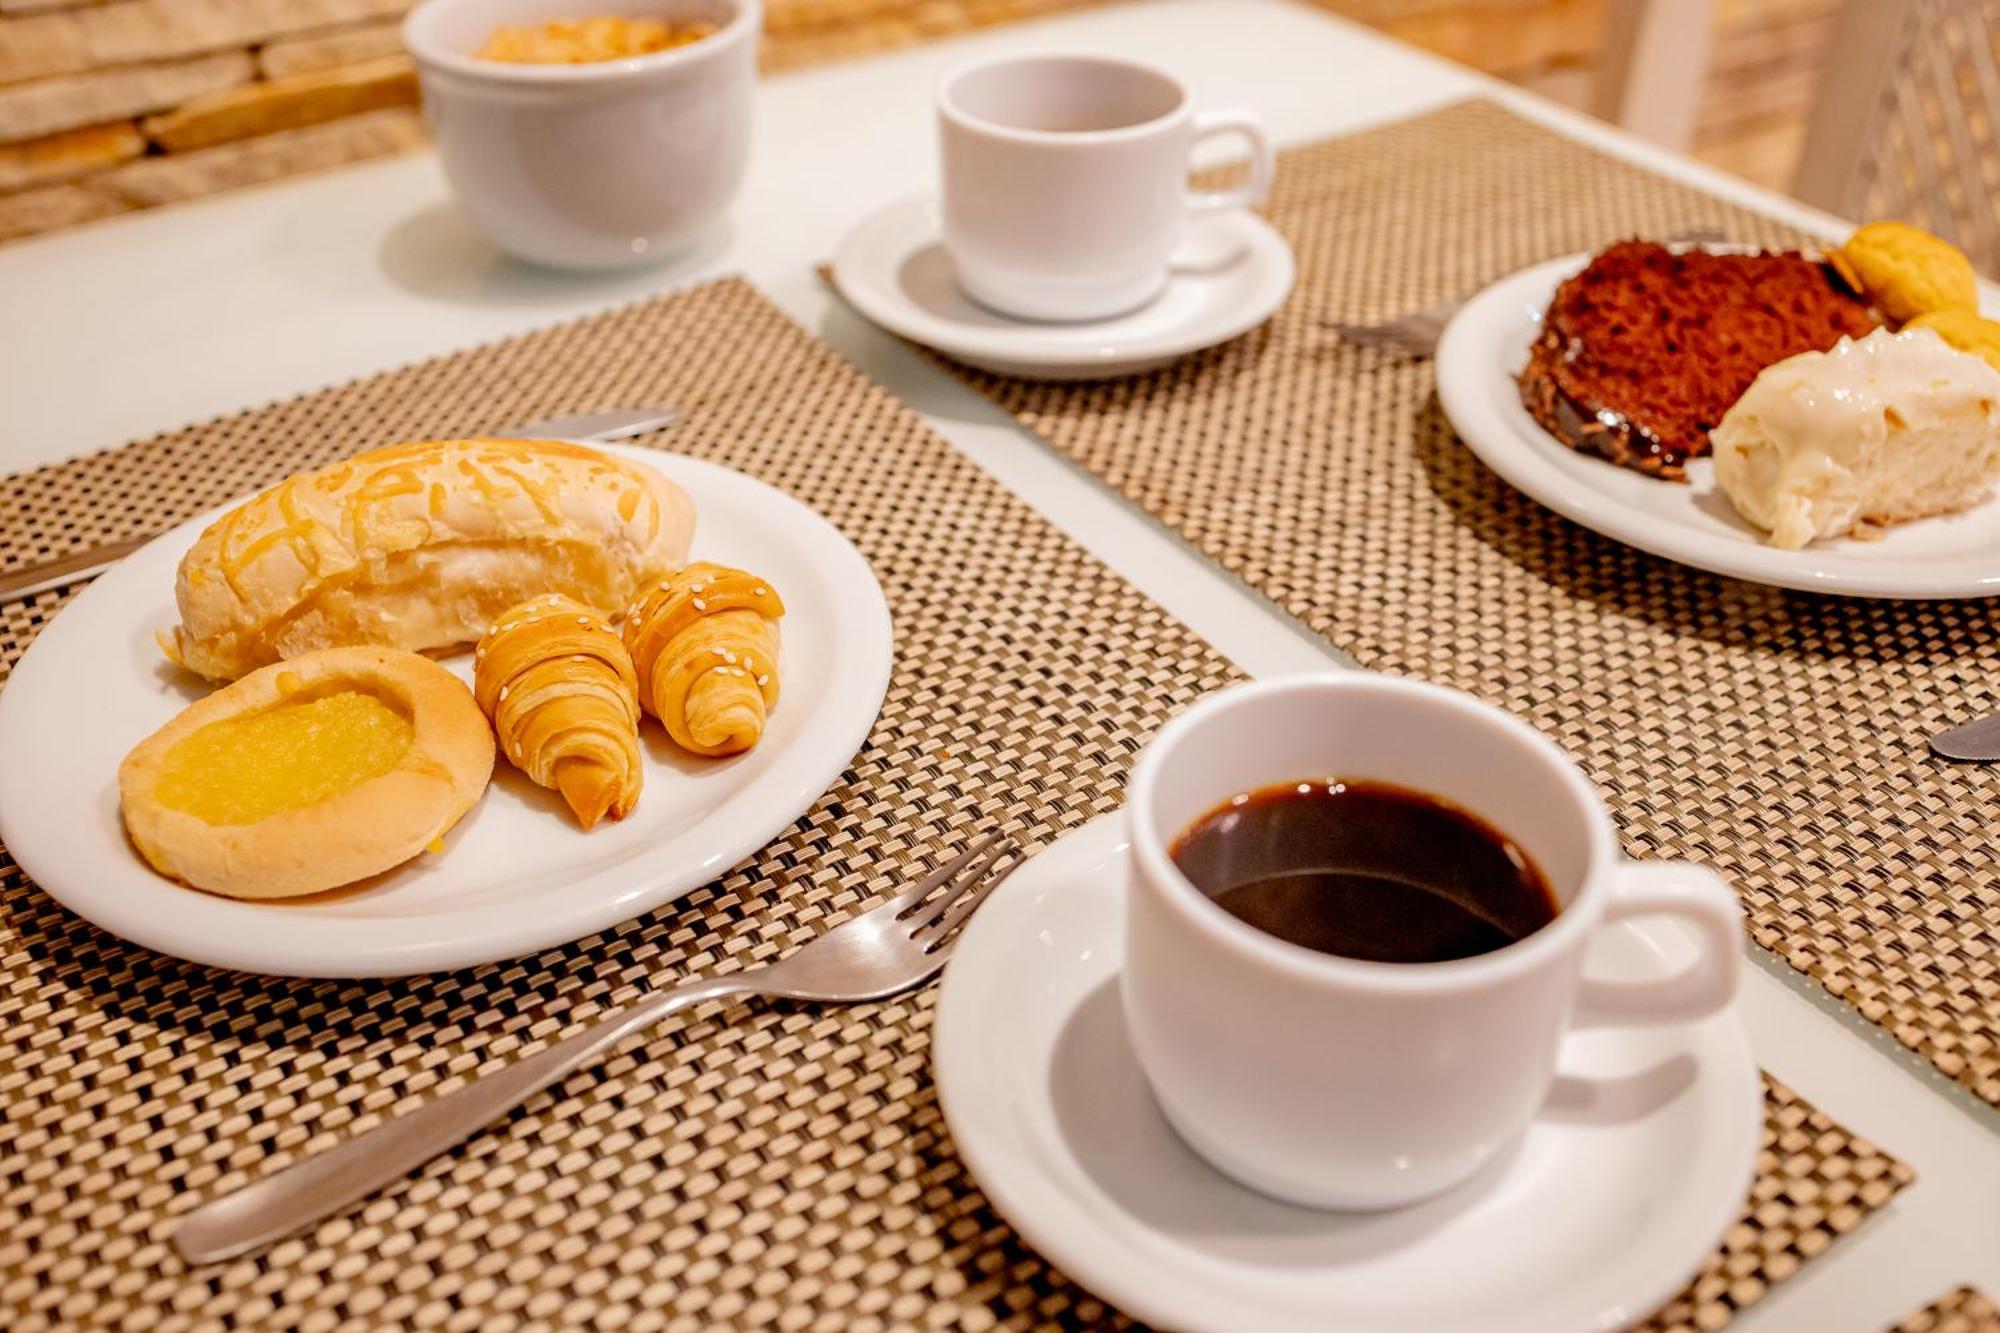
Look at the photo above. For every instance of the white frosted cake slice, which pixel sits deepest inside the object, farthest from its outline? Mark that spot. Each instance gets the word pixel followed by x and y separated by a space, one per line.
pixel 1893 427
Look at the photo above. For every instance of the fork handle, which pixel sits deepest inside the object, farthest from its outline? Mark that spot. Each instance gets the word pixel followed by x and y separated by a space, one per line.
pixel 325 1183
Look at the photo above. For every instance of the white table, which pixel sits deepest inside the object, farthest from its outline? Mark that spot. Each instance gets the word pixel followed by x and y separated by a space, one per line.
pixel 153 321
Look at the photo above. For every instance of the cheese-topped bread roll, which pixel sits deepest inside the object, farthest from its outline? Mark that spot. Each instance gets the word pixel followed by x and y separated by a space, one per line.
pixel 420 546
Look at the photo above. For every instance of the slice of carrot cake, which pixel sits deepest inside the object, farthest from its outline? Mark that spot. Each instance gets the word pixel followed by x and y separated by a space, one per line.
pixel 1642 353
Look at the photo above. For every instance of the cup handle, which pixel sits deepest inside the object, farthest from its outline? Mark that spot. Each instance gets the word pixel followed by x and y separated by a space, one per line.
pixel 1698 896
pixel 1263 162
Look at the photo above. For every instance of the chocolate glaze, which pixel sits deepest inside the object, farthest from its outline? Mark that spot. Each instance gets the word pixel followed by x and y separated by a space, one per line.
pixel 1592 429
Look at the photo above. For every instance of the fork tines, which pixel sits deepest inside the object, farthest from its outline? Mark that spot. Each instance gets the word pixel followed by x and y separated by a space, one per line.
pixel 965 881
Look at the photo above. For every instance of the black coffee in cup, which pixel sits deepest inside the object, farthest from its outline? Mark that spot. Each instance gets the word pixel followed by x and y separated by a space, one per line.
pixel 1366 870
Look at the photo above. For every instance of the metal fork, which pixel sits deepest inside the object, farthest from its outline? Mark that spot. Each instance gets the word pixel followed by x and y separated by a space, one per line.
pixel 886 950
pixel 1417 333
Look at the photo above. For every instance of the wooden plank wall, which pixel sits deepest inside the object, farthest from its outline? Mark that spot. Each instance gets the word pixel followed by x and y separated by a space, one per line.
pixel 112 105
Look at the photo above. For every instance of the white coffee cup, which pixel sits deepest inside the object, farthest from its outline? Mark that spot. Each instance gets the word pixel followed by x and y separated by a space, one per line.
pixel 1065 181
pixel 1338 1083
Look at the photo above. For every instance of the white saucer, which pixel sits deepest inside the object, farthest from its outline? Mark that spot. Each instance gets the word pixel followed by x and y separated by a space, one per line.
pixel 1230 274
pixel 1486 345
pixel 1620 1188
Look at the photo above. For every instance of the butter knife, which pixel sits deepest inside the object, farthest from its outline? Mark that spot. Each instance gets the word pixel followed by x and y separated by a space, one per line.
pixel 1976 742
pixel 613 424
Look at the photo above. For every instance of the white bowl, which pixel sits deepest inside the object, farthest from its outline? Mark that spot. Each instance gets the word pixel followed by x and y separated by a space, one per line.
pixel 590 166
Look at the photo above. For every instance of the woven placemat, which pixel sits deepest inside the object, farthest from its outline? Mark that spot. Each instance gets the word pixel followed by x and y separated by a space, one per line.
pixel 777 1167
pixel 1776 736
pixel 1801 1202
pixel 1963 1311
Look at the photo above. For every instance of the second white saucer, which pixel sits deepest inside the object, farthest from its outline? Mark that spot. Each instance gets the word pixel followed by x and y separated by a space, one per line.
pixel 1231 274
pixel 1628 1177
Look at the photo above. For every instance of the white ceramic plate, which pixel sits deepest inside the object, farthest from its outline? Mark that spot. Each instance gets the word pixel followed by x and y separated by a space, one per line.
pixel 1486 345
pixel 1619 1189
pixel 1231 273
pixel 517 874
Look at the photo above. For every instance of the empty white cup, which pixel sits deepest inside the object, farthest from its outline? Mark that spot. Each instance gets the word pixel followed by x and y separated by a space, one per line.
pixel 1065 181
pixel 1339 1083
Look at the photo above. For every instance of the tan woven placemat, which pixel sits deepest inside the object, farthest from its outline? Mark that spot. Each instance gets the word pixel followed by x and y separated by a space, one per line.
pixel 780 1167
pixel 1962 1311
pixel 1778 737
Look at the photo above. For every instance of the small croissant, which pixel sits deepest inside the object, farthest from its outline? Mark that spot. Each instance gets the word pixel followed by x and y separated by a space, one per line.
pixel 705 643
pixel 557 682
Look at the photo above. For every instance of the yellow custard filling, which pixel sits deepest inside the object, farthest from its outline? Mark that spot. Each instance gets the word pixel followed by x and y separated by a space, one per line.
pixel 243 769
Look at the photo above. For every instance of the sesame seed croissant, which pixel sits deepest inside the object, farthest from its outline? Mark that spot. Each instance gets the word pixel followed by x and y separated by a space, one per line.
pixel 557 682
pixel 705 643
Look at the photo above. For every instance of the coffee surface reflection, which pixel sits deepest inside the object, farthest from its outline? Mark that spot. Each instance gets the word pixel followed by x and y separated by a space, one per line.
pixel 1366 870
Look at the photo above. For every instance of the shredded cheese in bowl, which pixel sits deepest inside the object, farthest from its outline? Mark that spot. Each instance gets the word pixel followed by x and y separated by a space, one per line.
pixel 587 41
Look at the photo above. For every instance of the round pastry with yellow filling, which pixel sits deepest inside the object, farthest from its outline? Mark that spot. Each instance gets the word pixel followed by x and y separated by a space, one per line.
pixel 307 774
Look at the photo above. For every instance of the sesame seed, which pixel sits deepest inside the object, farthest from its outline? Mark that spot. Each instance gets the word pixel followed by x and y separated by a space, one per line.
pixel 700 605
pixel 764 679
pixel 762 591
pixel 503 694
pixel 584 621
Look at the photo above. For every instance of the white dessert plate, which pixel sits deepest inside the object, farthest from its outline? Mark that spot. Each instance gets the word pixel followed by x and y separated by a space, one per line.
pixel 1486 345
pixel 1624 1183
pixel 517 874
pixel 1231 273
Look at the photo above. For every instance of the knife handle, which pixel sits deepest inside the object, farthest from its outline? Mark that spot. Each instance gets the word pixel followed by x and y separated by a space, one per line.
pixel 72 568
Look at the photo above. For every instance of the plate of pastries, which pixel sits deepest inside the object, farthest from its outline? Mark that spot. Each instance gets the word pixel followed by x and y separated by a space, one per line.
pixel 1825 420
pixel 439 704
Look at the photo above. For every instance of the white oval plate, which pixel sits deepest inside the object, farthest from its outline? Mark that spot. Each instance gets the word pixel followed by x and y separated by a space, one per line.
pixel 1230 274
pixel 1621 1187
pixel 517 874
pixel 1484 348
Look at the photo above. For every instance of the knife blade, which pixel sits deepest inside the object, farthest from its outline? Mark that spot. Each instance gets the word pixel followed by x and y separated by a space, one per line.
pixel 1977 741
pixel 616 423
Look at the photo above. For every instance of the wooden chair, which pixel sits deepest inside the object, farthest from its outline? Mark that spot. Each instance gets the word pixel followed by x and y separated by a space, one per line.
pixel 1906 120
pixel 1654 61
